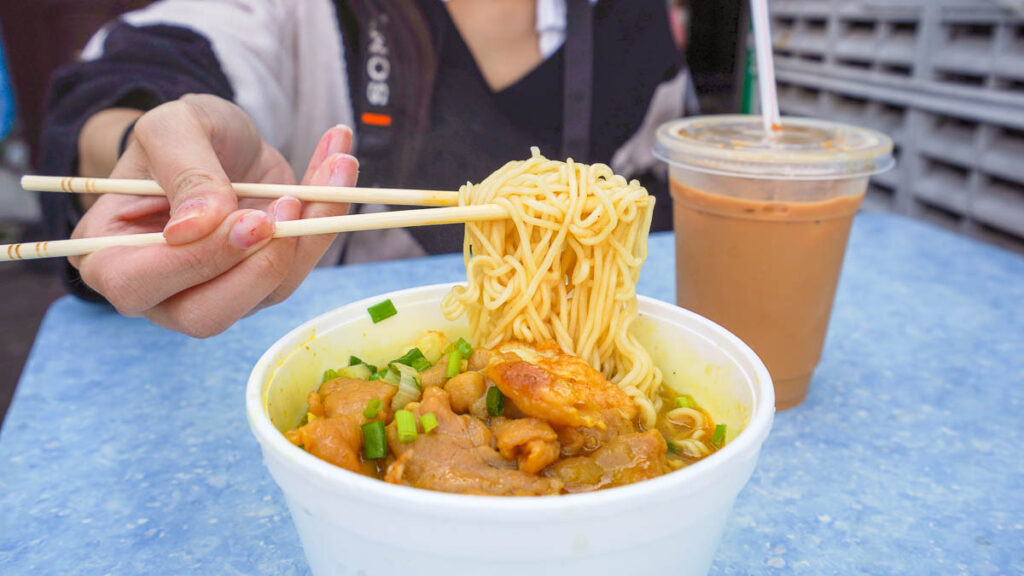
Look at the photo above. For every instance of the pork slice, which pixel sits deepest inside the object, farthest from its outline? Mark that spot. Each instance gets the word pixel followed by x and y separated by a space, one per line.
pixel 619 461
pixel 336 440
pixel 458 456
pixel 350 396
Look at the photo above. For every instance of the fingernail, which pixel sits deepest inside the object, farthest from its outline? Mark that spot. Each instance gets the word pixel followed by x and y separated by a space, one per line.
pixel 190 210
pixel 340 176
pixel 334 144
pixel 287 208
pixel 251 229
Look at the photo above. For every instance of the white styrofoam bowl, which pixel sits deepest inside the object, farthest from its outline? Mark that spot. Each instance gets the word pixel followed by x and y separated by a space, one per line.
pixel 355 525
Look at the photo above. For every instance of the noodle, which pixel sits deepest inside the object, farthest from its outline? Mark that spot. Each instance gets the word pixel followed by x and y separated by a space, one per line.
pixel 678 415
pixel 564 267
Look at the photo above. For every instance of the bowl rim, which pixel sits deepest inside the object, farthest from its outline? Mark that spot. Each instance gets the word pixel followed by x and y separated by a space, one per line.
pixel 747 443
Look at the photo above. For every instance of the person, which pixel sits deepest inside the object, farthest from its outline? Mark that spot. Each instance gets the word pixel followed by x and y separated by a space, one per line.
pixel 429 94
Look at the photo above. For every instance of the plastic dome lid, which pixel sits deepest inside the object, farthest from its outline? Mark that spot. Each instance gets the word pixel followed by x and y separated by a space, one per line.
pixel 800 149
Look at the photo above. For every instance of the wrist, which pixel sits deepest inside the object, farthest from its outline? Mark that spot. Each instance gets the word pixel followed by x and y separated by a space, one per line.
pixel 100 138
pixel 100 146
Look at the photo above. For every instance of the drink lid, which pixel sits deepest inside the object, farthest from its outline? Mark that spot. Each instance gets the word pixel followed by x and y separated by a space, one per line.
pixel 800 149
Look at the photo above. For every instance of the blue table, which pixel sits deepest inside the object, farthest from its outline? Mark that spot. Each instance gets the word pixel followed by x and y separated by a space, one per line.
pixel 126 449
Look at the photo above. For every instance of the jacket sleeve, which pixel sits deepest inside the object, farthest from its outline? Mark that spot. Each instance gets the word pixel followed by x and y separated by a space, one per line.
pixel 248 51
pixel 138 68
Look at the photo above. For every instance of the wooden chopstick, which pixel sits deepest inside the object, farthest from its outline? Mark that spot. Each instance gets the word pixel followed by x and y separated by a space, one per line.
pixel 307 227
pixel 244 190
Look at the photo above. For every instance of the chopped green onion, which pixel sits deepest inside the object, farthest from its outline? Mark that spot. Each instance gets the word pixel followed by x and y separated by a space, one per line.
pixel 463 348
pixel 673 448
pixel 359 372
pixel 685 401
pixel 329 374
pixel 406 424
pixel 390 375
pixel 495 402
pixel 372 408
pixel 454 364
pixel 719 438
pixel 356 361
pixel 413 358
pixel 374 440
pixel 428 421
pixel 382 311
pixel 409 385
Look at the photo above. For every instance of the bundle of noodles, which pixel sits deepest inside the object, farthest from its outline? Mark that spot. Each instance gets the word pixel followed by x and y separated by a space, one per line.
pixel 564 267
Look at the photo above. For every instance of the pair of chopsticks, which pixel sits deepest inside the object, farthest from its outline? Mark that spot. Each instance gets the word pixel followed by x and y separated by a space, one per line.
pixel 447 212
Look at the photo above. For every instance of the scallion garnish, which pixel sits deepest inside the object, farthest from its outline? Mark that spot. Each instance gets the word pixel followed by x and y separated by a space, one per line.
pixel 428 421
pixel 356 361
pixel 374 440
pixel 685 401
pixel 372 408
pixel 414 358
pixel 329 374
pixel 382 311
pixel 454 364
pixel 392 376
pixel 495 402
pixel 719 437
pixel 406 424
pixel 673 448
pixel 409 385
pixel 463 347
pixel 359 372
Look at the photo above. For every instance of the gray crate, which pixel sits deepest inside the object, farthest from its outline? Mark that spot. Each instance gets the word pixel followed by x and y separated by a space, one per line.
pixel 944 78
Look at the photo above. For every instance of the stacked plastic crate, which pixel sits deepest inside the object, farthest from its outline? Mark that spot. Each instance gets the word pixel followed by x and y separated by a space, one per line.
pixel 944 78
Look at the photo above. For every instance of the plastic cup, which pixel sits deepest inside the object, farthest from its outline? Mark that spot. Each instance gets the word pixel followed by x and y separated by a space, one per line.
pixel 761 225
pixel 352 524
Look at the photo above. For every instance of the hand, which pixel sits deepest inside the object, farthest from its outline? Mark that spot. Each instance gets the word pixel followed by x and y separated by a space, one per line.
pixel 220 262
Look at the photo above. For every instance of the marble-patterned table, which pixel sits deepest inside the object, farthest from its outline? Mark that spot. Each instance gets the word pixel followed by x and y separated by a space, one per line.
pixel 126 449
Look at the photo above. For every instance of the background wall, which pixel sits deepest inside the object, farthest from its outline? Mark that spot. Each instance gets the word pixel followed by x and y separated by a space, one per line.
pixel 944 78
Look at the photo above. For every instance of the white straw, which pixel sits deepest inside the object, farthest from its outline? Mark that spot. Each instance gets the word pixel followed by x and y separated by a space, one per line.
pixel 765 65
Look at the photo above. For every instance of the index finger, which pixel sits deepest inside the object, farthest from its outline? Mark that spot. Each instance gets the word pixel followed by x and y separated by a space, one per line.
pixel 183 161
